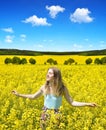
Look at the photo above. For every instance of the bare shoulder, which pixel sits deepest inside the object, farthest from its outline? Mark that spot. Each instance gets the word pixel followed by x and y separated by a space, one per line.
pixel 66 92
pixel 42 88
pixel 65 89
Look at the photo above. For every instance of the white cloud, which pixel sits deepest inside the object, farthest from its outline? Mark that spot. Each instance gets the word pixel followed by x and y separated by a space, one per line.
pixel 81 15
pixel 23 37
pixel 44 40
pixel 86 39
pixel 10 30
pixel 54 10
pixel 90 46
pixel 50 40
pixel 9 39
pixel 0 42
pixel 77 46
pixel 40 46
pixel 47 40
pixel 102 44
pixel 35 21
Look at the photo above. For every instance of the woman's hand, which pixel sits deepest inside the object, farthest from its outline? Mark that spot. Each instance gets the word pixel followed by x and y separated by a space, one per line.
pixel 15 93
pixel 92 104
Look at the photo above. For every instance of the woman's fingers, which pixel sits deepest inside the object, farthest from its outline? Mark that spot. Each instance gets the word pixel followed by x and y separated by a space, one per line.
pixel 14 92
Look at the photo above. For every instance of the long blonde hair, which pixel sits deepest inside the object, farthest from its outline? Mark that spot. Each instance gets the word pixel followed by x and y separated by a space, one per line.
pixel 58 85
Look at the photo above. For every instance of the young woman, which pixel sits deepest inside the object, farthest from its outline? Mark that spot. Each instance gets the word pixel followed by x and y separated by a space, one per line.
pixel 53 90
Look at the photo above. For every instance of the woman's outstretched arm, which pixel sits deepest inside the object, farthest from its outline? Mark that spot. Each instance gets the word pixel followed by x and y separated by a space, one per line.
pixel 30 96
pixel 76 103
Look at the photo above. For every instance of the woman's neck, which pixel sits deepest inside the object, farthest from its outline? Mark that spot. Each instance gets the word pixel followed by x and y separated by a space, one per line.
pixel 51 87
pixel 51 84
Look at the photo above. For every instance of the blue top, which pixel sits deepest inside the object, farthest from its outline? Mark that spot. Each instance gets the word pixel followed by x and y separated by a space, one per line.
pixel 52 102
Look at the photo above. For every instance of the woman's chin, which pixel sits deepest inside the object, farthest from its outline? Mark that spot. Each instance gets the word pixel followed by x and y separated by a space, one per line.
pixel 47 80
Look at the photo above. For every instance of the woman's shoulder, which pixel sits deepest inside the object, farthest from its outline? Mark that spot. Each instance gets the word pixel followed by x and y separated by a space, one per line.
pixel 65 90
pixel 42 88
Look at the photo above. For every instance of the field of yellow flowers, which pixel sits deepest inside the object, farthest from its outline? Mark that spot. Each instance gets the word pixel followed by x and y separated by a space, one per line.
pixel 85 83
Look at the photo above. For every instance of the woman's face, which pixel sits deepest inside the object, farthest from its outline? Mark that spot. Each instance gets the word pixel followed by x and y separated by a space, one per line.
pixel 50 75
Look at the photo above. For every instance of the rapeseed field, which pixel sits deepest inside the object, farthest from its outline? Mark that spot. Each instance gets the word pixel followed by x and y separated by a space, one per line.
pixel 85 83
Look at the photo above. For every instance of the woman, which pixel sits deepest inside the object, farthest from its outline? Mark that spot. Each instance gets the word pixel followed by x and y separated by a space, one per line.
pixel 53 90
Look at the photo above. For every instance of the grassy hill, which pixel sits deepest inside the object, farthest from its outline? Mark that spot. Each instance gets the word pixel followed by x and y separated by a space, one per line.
pixel 36 53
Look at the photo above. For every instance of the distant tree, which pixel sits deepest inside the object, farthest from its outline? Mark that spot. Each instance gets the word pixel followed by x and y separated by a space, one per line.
pixel 103 60
pixel 97 61
pixel 65 62
pixel 69 61
pixel 76 63
pixel 44 63
pixel 32 61
pixel 50 61
pixel 55 62
pixel 88 61
pixel 23 61
pixel 16 60
pixel 7 60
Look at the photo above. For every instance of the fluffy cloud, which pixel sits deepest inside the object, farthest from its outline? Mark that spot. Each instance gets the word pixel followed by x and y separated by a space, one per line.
pixel 77 46
pixel 81 16
pixel 10 30
pixel 23 37
pixel 102 44
pixel 35 21
pixel 54 10
pixel 40 46
pixel 9 39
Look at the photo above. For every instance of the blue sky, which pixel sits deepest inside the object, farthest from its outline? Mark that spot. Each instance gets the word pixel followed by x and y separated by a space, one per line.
pixel 53 25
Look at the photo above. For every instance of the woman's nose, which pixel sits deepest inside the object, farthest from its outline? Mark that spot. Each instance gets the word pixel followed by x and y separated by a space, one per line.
pixel 47 75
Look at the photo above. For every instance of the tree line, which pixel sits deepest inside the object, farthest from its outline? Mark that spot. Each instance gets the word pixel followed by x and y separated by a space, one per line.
pixel 17 60
pixel 35 53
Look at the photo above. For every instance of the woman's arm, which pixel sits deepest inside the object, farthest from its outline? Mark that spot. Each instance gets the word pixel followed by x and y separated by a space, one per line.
pixel 31 96
pixel 75 103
